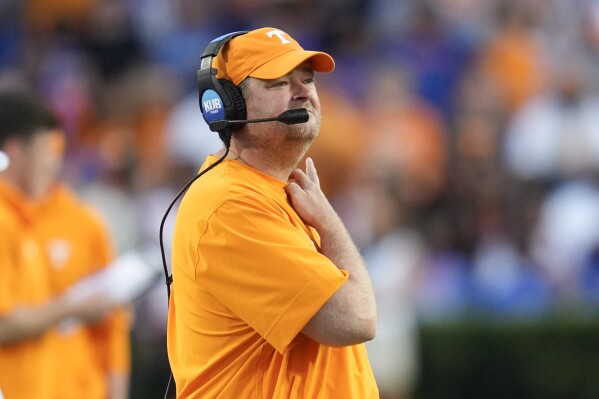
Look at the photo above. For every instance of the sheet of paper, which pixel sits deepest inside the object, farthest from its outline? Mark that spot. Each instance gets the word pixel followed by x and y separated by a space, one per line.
pixel 123 281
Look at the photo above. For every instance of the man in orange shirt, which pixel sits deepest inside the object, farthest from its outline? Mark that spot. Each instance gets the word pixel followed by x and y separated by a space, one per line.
pixel 51 344
pixel 270 297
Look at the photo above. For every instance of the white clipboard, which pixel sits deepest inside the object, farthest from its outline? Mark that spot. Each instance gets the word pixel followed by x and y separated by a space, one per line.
pixel 123 281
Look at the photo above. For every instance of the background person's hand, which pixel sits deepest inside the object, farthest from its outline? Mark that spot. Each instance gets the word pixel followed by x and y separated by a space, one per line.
pixel 93 309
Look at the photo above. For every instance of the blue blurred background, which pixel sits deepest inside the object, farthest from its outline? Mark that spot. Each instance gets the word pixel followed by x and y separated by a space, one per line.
pixel 460 144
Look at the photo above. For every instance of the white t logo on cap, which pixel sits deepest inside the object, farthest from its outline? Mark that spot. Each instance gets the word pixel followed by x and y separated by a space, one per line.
pixel 279 34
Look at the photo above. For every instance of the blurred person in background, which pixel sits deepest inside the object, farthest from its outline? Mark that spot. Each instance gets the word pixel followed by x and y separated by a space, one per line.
pixel 433 55
pixel 513 57
pixel 52 343
pixel 406 136
pixel 555 135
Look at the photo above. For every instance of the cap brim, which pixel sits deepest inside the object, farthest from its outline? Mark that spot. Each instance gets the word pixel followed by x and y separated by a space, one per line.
pixel 285 63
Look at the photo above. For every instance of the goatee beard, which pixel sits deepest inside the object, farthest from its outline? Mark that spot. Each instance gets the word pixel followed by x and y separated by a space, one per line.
pixel 303 132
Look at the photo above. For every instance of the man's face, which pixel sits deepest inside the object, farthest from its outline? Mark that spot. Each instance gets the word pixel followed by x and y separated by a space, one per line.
pixel 37 162
pixel 269 98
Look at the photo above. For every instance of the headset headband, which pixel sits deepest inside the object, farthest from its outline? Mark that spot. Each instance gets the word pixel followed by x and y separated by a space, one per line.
pixel 220 99
pixel 212 51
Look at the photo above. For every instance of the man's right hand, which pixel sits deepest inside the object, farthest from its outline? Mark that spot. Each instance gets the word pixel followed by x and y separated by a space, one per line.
pixel 307 198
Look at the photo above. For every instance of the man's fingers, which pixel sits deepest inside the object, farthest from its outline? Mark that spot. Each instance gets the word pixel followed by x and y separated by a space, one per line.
pixel 311 171
pixel 308 178
pixel 300 177
pixel 292 188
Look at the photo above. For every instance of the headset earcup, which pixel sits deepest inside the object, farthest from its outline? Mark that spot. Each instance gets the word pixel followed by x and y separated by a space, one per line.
pixel 239 110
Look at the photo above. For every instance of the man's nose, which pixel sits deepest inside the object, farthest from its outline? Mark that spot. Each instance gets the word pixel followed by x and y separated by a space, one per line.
pixel 302 91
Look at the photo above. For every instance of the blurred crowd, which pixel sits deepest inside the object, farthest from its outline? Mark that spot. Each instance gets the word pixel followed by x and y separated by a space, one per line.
pixel 460 138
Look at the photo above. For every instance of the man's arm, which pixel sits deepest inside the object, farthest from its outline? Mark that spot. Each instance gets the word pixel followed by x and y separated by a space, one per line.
pixel 30 322
pixel 349 316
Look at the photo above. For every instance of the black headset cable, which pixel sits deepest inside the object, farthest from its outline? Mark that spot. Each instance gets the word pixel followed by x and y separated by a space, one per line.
pixel 226 138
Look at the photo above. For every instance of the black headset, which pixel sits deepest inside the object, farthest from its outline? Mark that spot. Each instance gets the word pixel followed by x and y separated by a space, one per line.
pixel 220 99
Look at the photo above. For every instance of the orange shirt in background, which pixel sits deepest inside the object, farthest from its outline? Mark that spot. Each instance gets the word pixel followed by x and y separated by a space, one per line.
pixel 77 244
pixel 248 276
pixel 25 368
pixel 515 62
pixel 44 15
pixel 410 144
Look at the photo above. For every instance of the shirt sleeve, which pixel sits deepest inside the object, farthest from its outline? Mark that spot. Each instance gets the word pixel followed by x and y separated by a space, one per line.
pixel 265 269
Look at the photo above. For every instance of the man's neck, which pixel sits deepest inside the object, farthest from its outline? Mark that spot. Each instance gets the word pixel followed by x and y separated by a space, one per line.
pixel 278 164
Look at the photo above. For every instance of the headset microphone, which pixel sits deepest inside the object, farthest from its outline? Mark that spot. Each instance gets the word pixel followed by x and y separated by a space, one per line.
pixel 289 117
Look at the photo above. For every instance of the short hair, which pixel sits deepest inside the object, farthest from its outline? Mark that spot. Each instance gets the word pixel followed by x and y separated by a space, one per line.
pixel 22 115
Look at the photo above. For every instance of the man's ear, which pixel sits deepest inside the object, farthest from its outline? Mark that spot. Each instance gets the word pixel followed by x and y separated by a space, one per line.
pixel 13 149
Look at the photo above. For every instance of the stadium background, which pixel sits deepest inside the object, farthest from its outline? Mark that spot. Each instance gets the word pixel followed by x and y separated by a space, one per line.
pixel 460 144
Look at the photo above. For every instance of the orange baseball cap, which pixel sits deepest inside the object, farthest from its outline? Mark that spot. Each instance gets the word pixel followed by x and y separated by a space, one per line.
pixel 266 53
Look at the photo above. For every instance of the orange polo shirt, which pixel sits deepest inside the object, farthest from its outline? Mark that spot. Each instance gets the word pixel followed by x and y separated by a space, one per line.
pixel 248 276
pixel 25 367
pixel 77 244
